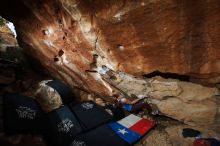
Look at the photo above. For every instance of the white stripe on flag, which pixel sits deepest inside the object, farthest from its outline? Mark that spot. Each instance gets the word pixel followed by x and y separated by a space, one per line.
pixel 129 121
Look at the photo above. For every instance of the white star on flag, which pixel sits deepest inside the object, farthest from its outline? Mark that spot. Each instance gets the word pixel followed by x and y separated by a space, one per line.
pixel 122 131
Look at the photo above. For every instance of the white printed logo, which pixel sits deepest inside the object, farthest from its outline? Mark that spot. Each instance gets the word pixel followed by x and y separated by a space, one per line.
pixel 87 105
pixel 78 143
pixel 25 112
pixel 65 126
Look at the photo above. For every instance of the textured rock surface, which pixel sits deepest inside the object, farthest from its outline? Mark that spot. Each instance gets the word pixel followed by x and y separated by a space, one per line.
pixel 137 37
pixel 176 138
pixel 172 136
pixel 191 103
pixel 73 39
pixel 7 38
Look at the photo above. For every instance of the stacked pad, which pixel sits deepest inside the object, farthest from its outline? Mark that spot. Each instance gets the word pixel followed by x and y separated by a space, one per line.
pixel 132 128
pixel 90 115
pixel 101 136
pixel 64 91
pixel 63 127
pixel 21 115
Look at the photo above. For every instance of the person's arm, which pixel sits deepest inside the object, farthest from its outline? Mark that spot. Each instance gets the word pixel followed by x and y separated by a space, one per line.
pixel 127 101
pixel 135 101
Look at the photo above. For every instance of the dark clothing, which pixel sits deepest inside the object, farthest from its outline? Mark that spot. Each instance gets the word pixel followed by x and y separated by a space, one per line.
pixel 140 106
pixel 214 142
pixel 135 107
pixel 127 107
pixel 206 142
pixel 188 132
pixel 201 142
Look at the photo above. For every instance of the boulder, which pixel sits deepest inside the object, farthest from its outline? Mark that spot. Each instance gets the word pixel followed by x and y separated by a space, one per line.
pixel 48 98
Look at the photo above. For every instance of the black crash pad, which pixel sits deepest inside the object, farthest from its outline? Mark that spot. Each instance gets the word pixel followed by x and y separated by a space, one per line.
pixel 90 115
pixel 101 136
pixel 63 127
pixel 21 115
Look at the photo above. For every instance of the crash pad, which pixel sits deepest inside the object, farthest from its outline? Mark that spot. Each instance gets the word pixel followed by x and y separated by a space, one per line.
pixel 62 127
pixel 21 114
pixel 90 115
pixel 101 136
pixel 131 128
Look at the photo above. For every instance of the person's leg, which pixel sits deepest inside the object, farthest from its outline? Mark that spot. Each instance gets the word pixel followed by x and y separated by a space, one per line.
pixel 140 106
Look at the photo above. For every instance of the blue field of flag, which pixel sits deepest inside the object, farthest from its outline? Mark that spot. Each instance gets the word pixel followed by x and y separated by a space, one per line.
pixel 125 133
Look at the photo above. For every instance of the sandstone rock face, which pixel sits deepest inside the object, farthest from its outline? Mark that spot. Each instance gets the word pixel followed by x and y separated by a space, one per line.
pixel 171 36
pixel 100 46
pixel 137 37
pixel 7 38
pixel 191 103
pixel 172 136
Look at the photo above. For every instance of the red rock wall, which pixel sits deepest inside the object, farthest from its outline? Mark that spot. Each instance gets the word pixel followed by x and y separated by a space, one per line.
pixel 136 37
pixel 170 36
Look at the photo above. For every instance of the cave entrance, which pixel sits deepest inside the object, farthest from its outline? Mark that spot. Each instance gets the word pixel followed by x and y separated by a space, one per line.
pixel 9 24
pixel 9 48
pixel 14 62
pixel 16 76
pixel 10 52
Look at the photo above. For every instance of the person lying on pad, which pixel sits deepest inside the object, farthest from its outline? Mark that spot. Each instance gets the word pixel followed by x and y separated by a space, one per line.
pixel 133 105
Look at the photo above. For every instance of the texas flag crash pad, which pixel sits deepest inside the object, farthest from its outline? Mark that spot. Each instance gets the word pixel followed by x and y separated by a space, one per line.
pixel 132 128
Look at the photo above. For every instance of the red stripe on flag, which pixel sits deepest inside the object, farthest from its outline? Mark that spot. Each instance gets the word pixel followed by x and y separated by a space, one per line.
pixel 142 126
